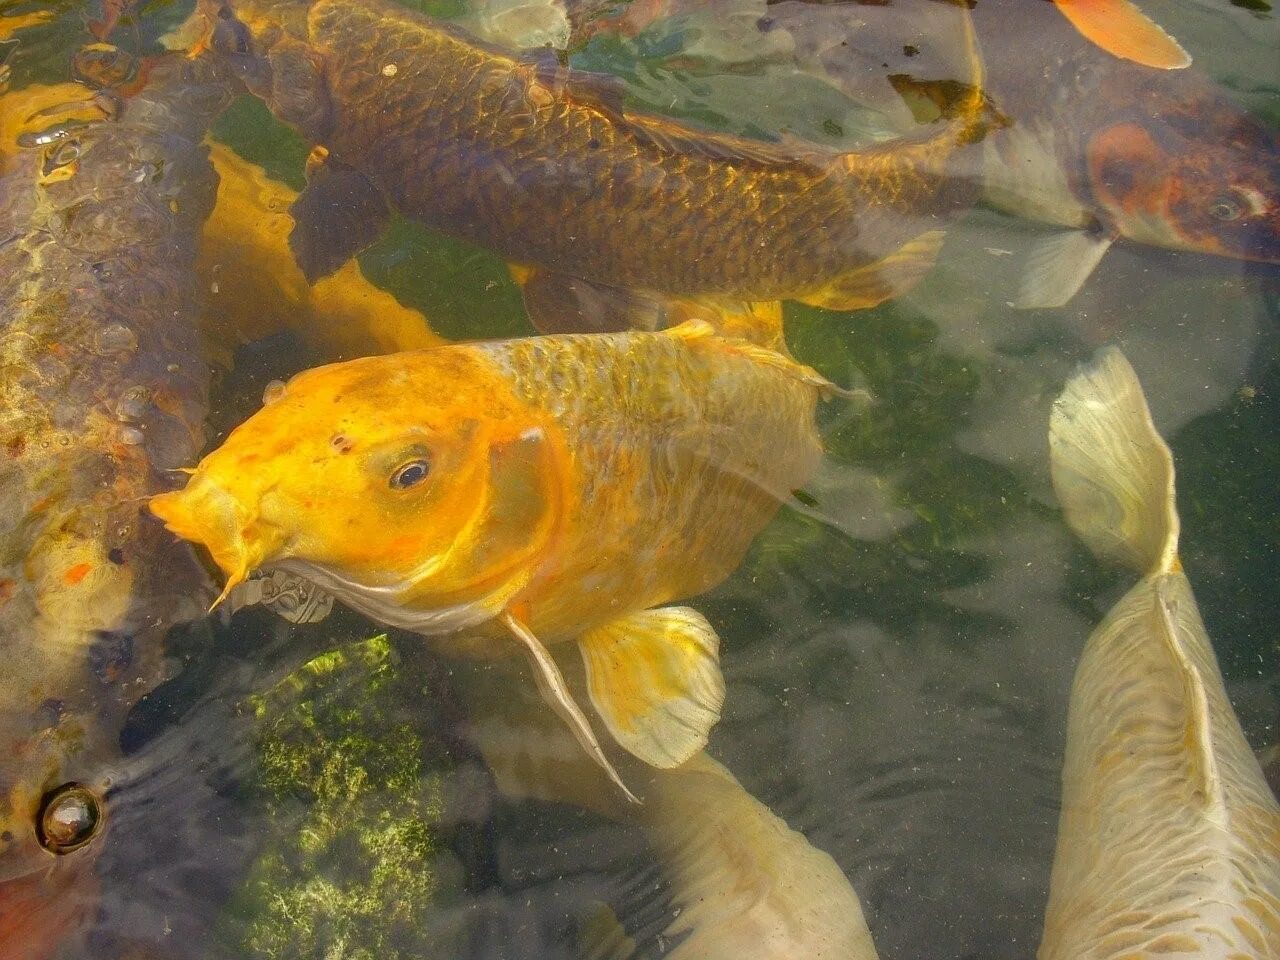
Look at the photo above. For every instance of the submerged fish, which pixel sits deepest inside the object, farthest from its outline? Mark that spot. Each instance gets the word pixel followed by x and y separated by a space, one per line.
pixel 743 883
pixel 1169 839
pixel 560 487
pixel 544 165
pixel 102 390
pixel 1099 147
pixel 1111 150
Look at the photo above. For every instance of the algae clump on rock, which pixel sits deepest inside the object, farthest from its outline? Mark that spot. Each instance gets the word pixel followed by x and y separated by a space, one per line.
pixel 353 791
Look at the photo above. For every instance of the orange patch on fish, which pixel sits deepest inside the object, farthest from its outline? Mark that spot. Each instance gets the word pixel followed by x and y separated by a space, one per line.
pixel 76 573
pixel 1124 31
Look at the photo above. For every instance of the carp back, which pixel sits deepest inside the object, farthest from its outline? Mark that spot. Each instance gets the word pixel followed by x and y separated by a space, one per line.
pixel 558 486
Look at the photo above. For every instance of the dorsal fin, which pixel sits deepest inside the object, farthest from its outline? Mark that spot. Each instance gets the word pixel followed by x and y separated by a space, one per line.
pixel 1199 730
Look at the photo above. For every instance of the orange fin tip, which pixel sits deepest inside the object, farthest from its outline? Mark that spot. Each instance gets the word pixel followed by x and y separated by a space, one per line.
pixel 1124 31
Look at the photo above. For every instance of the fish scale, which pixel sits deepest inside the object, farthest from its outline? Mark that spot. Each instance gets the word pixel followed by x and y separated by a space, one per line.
pixel 716 439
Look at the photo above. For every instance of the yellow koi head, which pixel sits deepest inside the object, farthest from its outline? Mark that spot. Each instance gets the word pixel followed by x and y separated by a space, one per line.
pixel 416 487
pixel 1203 176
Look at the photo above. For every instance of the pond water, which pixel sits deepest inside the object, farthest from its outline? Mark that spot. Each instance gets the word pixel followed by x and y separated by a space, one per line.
pixel 898 644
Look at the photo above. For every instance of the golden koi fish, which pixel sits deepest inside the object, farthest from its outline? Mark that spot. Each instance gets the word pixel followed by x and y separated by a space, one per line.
pixel 544 165
pixel 1169 839
pixel 559 487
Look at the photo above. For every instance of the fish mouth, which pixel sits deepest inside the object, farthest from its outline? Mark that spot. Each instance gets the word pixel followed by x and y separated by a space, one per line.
pixel 205 513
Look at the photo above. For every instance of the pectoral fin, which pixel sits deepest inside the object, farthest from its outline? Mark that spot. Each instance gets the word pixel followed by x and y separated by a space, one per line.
pixel 889 277
pixel 338 214
pixel 558 303
pixel 556 692
pixel 1124 31
pixel 1057 267
pixel 654 677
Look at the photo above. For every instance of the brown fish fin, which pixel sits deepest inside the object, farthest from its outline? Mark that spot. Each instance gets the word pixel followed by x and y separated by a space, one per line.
pixel 757 321
pixel 338 214
pixel 1124 31
pixel 873 284
pixel 654 678
pixel 552 686
pixel 559 303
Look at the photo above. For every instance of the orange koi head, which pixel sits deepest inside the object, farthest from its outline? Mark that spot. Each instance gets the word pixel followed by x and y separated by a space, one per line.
pixel 1204 177
pixel 415 486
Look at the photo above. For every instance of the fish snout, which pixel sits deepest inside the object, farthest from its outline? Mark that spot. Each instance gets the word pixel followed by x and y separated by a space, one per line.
pixel 206 513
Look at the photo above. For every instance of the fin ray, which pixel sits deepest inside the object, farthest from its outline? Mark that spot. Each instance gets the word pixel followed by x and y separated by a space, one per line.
pixel 1112 472
pixel 338 214
pixel 654 677
pixel 1057 267
pixel 891 276
pixel 555 691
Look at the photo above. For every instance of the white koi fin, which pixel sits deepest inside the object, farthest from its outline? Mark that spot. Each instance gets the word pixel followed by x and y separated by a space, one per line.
pixel 655 679
pixel 1112 472
pixel 556 692
pixel 889 277
pixel 1124 31
pixel 1058 267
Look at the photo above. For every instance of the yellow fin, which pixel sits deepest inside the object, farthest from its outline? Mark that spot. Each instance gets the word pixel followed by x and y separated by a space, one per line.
pixel 1124 31
pixel 1112 472
pixel 555 691
pixel 889 277
pixel 654 678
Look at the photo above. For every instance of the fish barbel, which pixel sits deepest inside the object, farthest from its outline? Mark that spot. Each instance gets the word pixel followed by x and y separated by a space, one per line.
pixel 1169 838
pixel 545 166
pixel 560 487
pixel 102 391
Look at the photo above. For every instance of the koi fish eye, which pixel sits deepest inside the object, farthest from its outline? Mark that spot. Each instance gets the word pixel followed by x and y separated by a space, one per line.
pixel 409 474
pixel 69 818
pixel 1225 208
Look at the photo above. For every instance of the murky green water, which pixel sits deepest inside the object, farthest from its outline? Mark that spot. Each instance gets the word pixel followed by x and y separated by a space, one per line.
pixel 898 648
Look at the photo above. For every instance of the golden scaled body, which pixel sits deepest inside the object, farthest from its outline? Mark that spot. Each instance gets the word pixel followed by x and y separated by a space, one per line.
pixel 546 167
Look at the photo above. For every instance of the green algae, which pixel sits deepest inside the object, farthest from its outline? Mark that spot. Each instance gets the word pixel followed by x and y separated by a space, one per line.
pixel 352 790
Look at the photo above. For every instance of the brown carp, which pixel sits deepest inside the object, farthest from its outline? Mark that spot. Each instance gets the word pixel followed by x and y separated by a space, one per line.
pixel 102 391
pixel 545 166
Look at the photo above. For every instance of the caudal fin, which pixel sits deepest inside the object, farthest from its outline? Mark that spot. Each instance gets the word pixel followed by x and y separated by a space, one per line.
pixel 1112 472
pixel 1124 31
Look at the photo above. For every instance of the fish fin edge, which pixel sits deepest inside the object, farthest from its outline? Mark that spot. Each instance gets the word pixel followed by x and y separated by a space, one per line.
pixel 1058 266
pixel 1112 471
pixel 654 678
pixel 338 214
pixel 1124 31
pixel 555 691
pixel 874 283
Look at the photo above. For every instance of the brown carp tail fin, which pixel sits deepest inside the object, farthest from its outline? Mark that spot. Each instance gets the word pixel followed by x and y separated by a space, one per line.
pixel 1112 471
pixel 338 214
pixel 1124 31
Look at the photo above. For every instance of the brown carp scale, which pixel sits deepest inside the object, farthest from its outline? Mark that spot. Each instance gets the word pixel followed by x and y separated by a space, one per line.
pixel 70 816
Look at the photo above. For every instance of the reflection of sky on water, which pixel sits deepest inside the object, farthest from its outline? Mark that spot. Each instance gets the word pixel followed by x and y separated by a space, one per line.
pixel 898 655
